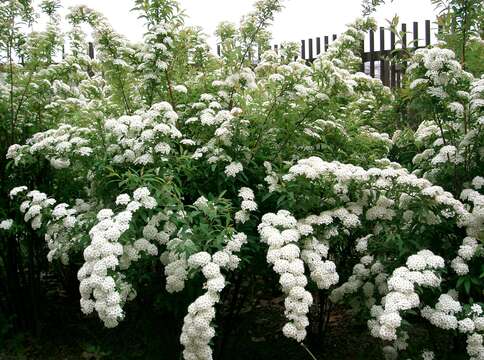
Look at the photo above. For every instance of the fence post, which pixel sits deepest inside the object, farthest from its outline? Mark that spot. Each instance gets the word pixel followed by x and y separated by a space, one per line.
pixel 392 67
pixel 415 34
pixel 404 46
pixel 383 62
pixel 303 49
pixel 427 32
pixel 318 45
pixel 371 54
pixel 218 50
pixel 90 53
pixel 90 50
pixel 334 37
pixel 362 50
pixel 276 48
pixel 310 46
pixel 326 43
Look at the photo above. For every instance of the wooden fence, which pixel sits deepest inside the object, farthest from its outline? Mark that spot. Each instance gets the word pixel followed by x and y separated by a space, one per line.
pixel 375 62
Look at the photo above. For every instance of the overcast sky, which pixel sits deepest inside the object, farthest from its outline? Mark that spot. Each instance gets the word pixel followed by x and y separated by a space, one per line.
pixel 300 19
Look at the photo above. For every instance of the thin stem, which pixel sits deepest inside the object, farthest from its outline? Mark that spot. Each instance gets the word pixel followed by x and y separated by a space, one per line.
pixel 309 351
pixel 10 61
pixel 170 90
pixel 464 35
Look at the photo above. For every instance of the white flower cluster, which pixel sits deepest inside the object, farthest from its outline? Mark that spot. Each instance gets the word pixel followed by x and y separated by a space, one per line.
pixel 428 355
pixel 34 205
pixel 386 181
pixel 448 141
pixel 59 235
pixel 176 266
pixel 475 221
pixel 340 52
pixel 101 287
pixel 247 206
pixel 141 137
pixel 221 137
pixel 449 314
pixel 244 78
pixel 361 278
pixel 197 330
pixel 444 314
pixel 132 252
pixel 56 145
pixel 478 182
pixel 176 270
pixel 271 178
pixel 280 232
pixel 322 272
pixel 157 51
pixel 151 230
pixel 447 153
pixel 465 253
pixel 233 169
pixel 421 271
pixel 475 346
pixel 201 203
pixel 441 68
pixel 6 224
pixel 400 344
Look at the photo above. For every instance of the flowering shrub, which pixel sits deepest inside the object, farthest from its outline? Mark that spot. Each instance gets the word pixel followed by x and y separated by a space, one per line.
pixel 164 152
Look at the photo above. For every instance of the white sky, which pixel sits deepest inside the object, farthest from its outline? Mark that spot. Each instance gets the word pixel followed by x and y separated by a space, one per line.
pixel 300 19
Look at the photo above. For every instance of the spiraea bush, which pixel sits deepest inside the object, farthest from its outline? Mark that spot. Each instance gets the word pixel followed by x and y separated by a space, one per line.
pixel 162 153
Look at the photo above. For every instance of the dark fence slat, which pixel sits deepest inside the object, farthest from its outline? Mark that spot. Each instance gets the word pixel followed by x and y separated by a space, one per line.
pixel 90 51
pixel 404 37
pixel 310 46
pixel 218 50
pixel 303 49
pixel 392 66
pixel 415 34
pixel 318 45
pixel 326 43
pixel 371 53
pixel 404 46
pixel 383 62
pixel 427 32
pixel 334 37
pixel 362 51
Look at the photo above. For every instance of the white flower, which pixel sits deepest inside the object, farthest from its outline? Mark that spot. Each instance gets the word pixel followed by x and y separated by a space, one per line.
pixel 478 182
pixel 199 259
pixel 123 199
pixel 246 193
pixel 201 202
pixel 233 169
pixel 248 205
pixel 428 355
pixel 466 325
pixel 16 190
pixel 141 193
pixel 6 224
pixel 180 88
